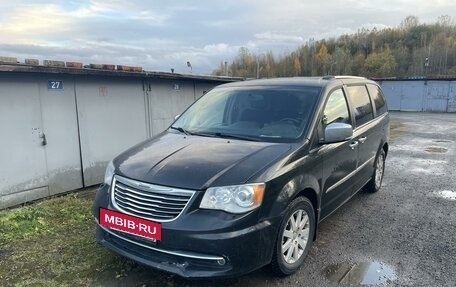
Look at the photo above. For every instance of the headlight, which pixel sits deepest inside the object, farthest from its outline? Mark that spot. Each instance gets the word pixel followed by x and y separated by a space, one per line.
pixel 109 173
pixel 234 199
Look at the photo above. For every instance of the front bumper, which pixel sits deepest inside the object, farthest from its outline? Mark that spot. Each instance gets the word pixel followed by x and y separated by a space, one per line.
pixel 198 244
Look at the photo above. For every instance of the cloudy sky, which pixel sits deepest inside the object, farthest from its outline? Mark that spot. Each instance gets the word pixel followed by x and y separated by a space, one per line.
pixel 159 35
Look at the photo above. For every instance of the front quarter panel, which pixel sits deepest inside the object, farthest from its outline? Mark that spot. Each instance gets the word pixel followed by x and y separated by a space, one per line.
pixel 291 179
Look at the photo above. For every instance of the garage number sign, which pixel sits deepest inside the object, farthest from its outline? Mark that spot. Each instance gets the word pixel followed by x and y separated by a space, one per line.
pixel 55 85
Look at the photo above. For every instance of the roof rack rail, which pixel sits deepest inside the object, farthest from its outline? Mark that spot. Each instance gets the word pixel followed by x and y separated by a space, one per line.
pixel 341 77
pixel 349 77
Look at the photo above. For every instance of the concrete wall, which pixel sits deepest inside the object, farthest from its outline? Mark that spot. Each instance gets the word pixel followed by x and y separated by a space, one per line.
pixel 84 125
pixel 420 95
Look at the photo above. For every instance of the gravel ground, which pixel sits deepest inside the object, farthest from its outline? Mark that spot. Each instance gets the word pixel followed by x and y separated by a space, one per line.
pixel 409 226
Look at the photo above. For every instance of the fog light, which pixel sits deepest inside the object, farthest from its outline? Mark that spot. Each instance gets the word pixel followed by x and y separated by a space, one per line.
pixel 221 261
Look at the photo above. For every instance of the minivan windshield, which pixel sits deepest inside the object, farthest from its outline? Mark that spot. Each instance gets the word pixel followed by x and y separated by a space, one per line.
pixel 260 113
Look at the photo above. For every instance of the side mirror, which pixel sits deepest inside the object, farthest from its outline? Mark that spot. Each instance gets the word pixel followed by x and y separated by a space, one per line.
pixel 176 117
pixel 337 132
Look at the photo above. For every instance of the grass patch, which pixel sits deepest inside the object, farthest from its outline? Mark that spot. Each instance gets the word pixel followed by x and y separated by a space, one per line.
pixel 52 243
pixel 46 217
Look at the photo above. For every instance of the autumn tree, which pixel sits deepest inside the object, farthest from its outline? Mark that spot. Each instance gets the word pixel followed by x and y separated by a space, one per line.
pixel 411 49
pixel 380 64
pixel 322 58
pixel 357 64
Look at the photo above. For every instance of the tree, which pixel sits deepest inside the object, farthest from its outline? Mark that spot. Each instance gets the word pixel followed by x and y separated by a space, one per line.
pixel 409 22
pixel 417 36
pixel 445 21
pixel 380 64
pixel 357 64
pixel 220 71
pixel 297 67
pixel 340 62
pixel 244 65
pixel 410 50
pixel 322 57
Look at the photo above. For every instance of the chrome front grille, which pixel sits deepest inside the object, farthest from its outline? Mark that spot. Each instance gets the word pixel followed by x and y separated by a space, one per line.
pixel 158 203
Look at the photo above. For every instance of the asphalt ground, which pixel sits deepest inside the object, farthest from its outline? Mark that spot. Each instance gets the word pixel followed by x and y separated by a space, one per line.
pixel 407 229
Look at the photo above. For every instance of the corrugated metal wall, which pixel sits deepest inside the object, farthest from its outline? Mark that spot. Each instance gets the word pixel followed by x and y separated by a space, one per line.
pixel 420 95
pixel 59 140
pixel 452 97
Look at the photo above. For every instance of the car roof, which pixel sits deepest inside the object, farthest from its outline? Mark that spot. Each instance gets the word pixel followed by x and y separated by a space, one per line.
pixel 300 81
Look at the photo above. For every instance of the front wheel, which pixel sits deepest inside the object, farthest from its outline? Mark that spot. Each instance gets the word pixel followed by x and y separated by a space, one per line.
pixel 375 183
pixel 294 238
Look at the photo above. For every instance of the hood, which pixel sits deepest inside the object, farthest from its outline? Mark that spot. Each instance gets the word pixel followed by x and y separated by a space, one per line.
pixel 196 162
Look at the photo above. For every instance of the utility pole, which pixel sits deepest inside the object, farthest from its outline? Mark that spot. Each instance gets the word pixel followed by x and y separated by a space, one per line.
pixel 258 67
pixel 426 62
pixel 426 65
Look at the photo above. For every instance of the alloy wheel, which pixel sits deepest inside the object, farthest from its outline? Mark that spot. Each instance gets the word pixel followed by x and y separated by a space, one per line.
pixel 379 170
pixel 295 236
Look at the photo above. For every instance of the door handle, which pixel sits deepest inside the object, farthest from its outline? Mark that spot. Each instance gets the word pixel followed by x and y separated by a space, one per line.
pixel 362 139
pixel 43 139
pixel 353 144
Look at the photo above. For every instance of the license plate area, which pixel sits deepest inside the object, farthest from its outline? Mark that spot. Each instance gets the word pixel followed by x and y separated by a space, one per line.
pixel 130 224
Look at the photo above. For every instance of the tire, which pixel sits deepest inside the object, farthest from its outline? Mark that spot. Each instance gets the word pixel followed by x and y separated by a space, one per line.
pixel 296 238
pixel 375 183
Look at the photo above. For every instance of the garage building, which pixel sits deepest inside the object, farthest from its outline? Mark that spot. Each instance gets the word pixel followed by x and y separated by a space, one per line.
pixel 60 126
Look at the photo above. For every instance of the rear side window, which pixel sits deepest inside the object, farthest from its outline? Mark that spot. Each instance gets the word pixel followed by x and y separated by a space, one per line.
pixel 361 104
pixel 378 99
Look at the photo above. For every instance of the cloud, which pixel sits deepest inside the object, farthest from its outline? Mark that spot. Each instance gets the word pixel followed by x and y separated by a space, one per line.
pixel 219 48
pixel 282 38
pixel 24 26
pixel 160 35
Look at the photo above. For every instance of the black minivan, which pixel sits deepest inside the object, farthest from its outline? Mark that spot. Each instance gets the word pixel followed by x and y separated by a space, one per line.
pixel 242 178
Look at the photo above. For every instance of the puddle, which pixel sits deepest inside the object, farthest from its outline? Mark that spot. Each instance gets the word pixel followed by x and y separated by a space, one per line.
pixel 436 149
pixel 364 273
pixel 447 194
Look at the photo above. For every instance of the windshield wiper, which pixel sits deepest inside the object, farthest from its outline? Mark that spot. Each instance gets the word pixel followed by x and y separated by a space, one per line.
pixel 239 137
pixel 182 130
pixel 217 134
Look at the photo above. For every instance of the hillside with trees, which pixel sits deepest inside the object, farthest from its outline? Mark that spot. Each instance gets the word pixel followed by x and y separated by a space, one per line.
pixel 410 50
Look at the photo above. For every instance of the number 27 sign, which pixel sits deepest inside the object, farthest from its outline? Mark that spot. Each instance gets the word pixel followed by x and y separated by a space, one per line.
pixel 55 85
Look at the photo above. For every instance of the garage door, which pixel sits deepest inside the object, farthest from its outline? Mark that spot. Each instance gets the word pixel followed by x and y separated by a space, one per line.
pixel 412 96
pixel 22 153
pixel 436 96
pixel 39 150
